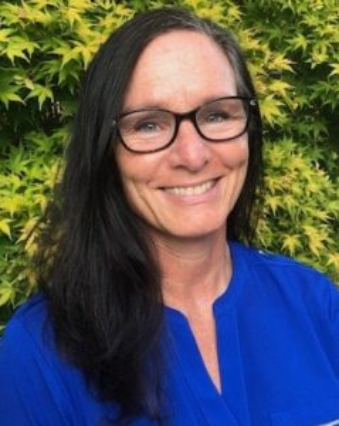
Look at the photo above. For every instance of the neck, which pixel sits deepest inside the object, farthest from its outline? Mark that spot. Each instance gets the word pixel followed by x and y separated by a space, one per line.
pixel 194 272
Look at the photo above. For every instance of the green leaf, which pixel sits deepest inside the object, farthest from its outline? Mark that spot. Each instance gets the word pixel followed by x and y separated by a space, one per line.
pixel 5 228
pixel 271 109
pixel 68 53
pixel 299 42
pixel 9 88
pixel 17 47
pixel 280 87
pixel 274 202
pixel 4 34
pixel 6 295
pixel 42 93
pixel 335 69
pixel 12 203
pixel 291 243
pixel 333 260
pixel 85 51
pixel 281 62
pixel 80 4
pixel 10 96
pixel 316 239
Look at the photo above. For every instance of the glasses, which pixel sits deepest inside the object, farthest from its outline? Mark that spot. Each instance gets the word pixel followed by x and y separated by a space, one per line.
pixel 152 130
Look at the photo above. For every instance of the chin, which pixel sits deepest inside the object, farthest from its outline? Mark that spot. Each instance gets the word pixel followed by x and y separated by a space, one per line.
pixel 195 231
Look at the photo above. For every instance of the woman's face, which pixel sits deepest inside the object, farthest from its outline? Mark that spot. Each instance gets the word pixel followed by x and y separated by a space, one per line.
pixel 187 190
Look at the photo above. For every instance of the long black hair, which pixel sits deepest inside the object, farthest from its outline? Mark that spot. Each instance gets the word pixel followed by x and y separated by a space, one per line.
pixel 102 281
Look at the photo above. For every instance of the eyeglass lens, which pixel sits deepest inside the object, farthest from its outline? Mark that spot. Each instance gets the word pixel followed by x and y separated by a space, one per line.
pixel 150 130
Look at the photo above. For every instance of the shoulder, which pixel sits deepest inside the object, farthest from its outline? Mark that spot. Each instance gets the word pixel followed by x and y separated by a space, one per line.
pixel 30 325
pixel 32 314
pixel 276 264
pixel 28 343
pixel 37 385
pixel 283 277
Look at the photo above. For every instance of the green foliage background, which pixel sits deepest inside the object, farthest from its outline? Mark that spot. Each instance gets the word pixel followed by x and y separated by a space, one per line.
pixel 293 50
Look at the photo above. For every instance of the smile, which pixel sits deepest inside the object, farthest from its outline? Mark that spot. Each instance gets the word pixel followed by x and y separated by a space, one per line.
pixel 191 190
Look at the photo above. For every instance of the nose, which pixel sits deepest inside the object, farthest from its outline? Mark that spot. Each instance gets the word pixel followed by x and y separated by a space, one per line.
pixel 189 149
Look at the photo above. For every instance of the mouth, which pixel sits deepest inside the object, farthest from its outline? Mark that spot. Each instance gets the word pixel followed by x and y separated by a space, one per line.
pixel 191 190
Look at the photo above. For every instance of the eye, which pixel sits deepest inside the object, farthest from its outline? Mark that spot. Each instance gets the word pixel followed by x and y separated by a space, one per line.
pixel 216 117
pixel 146 124
pixel 147 127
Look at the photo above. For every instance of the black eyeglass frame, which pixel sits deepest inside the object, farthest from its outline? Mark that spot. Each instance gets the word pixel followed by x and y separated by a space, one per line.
pixel 250 102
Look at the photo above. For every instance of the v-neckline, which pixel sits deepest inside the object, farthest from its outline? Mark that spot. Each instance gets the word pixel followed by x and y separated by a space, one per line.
pixel 188 359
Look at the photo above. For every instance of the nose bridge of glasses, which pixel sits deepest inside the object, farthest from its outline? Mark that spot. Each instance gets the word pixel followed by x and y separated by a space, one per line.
pixel 190 116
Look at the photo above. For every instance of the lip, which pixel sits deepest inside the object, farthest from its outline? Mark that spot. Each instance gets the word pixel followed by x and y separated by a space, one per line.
pixel 192 193
pixel 189 184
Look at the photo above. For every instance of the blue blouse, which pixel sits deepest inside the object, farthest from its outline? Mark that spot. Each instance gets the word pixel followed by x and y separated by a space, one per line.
pixel 277 331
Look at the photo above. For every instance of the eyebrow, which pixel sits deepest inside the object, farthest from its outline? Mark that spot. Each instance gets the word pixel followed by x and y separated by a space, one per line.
pixel 145 106
pixel 160 105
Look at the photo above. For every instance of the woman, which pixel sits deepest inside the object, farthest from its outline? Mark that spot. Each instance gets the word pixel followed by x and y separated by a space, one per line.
pixel 150 312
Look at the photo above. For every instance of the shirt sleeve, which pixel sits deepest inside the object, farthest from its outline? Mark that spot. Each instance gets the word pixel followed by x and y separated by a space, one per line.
pixel 31 394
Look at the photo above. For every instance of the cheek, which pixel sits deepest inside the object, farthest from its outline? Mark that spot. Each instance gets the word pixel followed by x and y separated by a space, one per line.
pixel 235 154
pixel 128 165
pixel 131 184
pixel 127 173
pixel 135 172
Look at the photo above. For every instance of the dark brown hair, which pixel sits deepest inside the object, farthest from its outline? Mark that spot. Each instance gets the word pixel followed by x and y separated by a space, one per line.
pixel 103 284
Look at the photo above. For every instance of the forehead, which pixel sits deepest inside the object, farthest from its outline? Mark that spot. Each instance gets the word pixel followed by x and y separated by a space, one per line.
pixel 180 70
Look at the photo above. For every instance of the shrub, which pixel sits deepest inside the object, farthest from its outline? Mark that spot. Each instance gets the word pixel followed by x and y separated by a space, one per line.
pixel 45 46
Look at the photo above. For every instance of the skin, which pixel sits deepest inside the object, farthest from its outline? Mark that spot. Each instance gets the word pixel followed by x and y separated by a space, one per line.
pixel 179 71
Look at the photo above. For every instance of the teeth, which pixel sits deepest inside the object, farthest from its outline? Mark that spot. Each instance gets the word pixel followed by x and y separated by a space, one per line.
pixel 190 190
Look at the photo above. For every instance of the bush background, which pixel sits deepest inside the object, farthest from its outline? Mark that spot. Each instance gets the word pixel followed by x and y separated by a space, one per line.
pixel 293 51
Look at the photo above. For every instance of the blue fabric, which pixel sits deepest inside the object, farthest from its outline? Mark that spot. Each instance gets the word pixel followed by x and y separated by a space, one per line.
pixel 278 344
